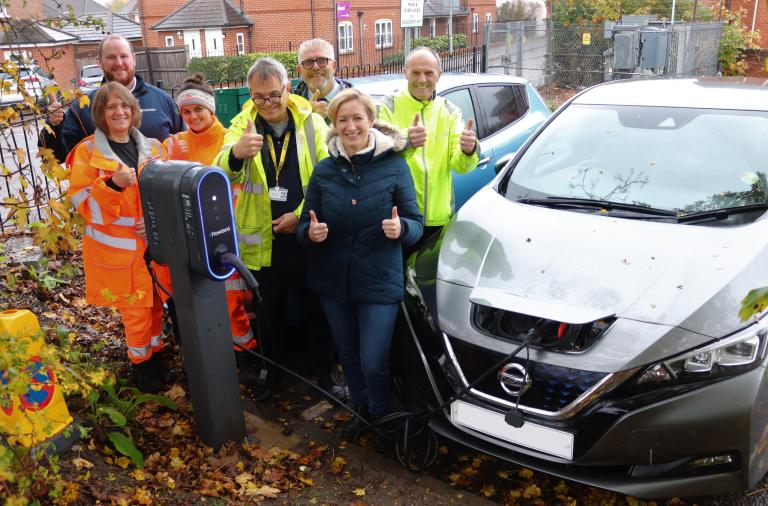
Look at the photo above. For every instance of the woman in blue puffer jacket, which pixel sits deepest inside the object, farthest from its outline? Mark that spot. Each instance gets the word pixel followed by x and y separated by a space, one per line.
pixel 359 210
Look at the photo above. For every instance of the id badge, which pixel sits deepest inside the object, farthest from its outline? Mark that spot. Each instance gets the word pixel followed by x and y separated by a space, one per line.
pixel 278 194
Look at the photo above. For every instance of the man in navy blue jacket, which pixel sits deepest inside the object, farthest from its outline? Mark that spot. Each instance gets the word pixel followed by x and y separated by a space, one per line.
pixel 160 115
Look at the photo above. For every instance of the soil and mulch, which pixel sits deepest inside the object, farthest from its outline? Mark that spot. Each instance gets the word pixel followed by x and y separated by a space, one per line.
pixel 293 454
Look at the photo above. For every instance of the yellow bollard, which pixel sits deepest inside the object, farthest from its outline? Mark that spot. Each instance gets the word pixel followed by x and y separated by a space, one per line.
pixel 41 412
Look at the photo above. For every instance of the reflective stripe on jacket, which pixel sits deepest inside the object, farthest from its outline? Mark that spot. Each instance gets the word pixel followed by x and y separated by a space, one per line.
pixel 115 273
pixel 253 210
pixel 431 164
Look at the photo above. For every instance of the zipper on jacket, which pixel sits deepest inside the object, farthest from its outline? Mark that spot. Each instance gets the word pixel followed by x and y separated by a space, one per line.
pixel 424 164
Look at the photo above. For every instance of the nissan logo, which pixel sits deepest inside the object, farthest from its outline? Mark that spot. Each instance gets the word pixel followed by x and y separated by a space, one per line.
pixel 514 379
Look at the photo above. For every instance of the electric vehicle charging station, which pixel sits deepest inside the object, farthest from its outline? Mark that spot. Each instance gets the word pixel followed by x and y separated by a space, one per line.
pixel 190 222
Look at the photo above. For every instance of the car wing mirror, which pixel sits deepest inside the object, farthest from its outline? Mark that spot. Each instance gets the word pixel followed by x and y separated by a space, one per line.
pixel 504 160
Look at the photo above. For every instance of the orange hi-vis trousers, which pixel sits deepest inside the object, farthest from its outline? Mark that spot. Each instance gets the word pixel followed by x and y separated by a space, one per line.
pixel 237 294
pixel 143 330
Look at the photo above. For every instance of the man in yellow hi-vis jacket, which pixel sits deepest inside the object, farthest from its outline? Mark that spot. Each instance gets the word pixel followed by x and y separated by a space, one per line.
pixel 270 149
pixel 438 138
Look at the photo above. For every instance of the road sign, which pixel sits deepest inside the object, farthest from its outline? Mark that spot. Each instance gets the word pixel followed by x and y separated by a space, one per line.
pixel 343 10
pixel 411 13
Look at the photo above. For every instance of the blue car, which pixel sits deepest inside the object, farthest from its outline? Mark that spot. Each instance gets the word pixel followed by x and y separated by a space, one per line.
pixel 506 111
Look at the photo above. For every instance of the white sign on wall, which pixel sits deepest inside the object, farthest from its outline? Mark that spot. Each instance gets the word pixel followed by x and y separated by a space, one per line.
pixel 411 13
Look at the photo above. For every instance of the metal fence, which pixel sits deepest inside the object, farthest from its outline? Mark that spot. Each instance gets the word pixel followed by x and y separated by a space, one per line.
pixel 22 182
pixel 556 57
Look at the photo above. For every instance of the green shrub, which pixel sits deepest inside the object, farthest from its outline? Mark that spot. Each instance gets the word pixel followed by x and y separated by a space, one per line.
pixel 234 68
pixel 734 42
pixel 440 44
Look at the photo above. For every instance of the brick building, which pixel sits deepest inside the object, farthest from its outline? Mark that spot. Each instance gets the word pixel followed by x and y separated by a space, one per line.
pixel 753 19
pixel 369 33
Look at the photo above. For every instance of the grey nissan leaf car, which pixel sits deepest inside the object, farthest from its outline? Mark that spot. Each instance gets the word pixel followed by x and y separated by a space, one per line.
pixel 580 314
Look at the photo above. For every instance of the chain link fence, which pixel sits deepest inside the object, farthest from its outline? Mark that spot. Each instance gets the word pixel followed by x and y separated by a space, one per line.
pixel 560 60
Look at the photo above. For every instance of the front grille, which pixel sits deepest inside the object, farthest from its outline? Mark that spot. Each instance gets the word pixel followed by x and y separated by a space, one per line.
pixel 545 334
pixel 553 387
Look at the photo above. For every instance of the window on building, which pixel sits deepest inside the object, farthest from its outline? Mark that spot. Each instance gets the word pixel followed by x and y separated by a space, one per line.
pixel 475 21
pixel 345 37
pixel 383 33
pixel 433 27
pixel 240 42
pixel 169 41
pixel 17 56
pixel 488 17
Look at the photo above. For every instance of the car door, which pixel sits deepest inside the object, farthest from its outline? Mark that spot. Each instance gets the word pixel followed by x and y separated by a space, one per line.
pixel 465 185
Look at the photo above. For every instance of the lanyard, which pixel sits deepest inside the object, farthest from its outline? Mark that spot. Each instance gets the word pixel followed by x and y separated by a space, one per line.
pixel 278 164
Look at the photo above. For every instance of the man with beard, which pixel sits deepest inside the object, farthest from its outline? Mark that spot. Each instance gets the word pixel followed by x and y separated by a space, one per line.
pixel 316 68
pixel 159 114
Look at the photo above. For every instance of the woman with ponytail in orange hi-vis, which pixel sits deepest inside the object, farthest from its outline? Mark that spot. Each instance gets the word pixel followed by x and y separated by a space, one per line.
pixel 201 143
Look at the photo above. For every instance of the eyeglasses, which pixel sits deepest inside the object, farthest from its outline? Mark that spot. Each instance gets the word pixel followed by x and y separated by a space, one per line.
pixel 321 63
pixel 272 99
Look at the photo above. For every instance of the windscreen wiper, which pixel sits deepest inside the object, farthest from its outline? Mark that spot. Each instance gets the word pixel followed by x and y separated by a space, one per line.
pixel 581 203
pixel 720 214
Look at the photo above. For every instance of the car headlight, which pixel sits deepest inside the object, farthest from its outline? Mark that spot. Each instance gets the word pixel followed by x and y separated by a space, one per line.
pixel 727 357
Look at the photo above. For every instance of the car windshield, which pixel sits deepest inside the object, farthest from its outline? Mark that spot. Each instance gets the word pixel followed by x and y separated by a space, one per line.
pixel 91 72
pixel 677 159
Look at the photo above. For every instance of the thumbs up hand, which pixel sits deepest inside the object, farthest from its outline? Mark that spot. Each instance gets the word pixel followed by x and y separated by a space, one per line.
pixel 124 176
pixel 417 134
pixel 319 106
pixel 391 226
pixel 55 111
pixel 318 232
pixel 468 139
pixel 249 143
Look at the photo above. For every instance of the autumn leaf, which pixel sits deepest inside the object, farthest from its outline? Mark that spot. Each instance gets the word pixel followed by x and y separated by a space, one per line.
pixel 359 492
pixel 561 488
pixel 525 473
pixel 488 491
pixel 754 303
pixel 84 101
pixel 337 465
pixel 80 463
pixel 532 491
pixel 306 481
pixel 21 156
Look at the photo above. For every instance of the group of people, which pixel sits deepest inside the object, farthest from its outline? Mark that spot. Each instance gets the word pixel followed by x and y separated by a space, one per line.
pixel 328 187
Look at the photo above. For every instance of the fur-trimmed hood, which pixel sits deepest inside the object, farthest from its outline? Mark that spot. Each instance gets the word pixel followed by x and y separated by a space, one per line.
pixel 382 138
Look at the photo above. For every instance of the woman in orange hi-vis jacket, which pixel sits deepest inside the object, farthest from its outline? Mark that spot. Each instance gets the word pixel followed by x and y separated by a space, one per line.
pixel 104 190
pixel 201 143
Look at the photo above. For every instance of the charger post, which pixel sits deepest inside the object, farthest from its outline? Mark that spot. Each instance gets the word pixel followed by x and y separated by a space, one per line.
pixel 189 221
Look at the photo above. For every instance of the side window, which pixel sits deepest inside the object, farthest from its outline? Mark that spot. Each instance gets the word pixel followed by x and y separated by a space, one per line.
pixel 504 104
pixel 463 100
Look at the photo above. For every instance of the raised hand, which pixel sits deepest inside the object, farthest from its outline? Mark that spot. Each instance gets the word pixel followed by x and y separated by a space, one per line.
pixel 391 226
pixel 417 134
pixel 319 106
pixel 249 143
pixel 318 232
pixel 124 176
pixel 55 111
pixel 468 139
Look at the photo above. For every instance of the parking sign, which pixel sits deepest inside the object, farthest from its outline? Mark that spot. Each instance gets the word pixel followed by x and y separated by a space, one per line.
pixel 411 13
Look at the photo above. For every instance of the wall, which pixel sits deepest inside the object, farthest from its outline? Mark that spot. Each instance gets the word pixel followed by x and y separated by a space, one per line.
pixel 761 23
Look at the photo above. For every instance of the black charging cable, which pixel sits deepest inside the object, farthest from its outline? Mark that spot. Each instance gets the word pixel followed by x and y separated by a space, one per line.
pixel 400 427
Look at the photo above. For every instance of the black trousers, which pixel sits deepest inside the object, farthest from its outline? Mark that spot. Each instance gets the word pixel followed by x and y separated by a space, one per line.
pixel 296 321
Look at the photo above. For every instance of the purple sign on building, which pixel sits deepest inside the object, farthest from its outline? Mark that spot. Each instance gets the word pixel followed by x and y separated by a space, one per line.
pixel 343 10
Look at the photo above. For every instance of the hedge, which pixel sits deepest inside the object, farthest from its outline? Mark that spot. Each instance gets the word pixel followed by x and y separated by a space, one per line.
pixel 234 68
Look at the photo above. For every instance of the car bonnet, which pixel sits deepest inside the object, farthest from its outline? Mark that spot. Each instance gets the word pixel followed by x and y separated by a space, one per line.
pixel 577 267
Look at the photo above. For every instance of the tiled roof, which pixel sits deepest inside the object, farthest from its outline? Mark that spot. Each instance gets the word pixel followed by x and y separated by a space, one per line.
pixel 58 8
pixel 31 31
pixel 131 7
pixel 113 24
pixel 204 14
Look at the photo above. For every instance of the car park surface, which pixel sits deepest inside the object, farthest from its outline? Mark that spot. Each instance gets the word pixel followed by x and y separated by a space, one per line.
pixel 614 250
pixel 506 111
